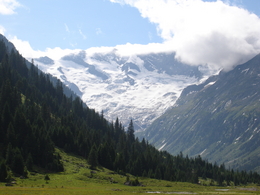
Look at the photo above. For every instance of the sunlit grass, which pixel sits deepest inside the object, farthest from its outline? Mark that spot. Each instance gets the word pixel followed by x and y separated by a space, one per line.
pixel 78 179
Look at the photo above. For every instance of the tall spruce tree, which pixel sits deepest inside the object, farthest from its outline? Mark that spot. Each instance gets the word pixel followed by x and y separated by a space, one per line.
pixel 17 164
pixel 130 132
pixel 93 157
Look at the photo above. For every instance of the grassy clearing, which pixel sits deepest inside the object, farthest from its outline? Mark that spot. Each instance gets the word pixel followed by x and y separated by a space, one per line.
pixel 78 179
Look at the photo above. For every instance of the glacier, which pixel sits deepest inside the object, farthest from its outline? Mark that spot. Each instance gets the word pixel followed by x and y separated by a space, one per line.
pixel 138 87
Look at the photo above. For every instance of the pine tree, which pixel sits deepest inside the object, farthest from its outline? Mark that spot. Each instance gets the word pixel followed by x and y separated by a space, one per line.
pixel 130 132
pixel 3 171
pixel 158 174
pixel 11 134
pixel 18 162
pixel 93 157
pixel 6 119
pixel 29 162
pixel 194 177
pixel 144 173
pixel 9 154
pixel 47 178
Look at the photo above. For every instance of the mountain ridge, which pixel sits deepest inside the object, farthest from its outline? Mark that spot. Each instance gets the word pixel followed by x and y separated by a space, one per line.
pixel 218 119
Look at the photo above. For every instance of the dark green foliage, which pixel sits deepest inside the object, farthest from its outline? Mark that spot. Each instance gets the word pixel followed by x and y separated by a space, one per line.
pixel 106 153
pixel 46 178
pixel 93 157
pixel 130 132
pixel 3 171
pixel 17 164
pixel 23 133
pixel 133 182
pixel 29 162
pixel 9 154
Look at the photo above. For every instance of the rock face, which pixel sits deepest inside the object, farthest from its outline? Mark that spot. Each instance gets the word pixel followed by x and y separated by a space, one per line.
pixel 141 87
pixel 219 119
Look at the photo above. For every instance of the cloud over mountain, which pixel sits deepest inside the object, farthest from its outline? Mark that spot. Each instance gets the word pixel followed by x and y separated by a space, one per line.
pixel 213 33
pixel 210 33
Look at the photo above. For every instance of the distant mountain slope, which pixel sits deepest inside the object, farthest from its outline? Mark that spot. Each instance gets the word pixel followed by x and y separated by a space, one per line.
pixel 219 119
pixel 140 87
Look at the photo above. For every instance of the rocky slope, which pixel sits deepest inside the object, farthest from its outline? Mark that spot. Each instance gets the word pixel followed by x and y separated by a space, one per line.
pixel 218 119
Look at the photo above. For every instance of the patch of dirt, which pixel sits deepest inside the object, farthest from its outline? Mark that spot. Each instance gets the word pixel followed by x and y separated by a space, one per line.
pixel 249 189
pixel 223 190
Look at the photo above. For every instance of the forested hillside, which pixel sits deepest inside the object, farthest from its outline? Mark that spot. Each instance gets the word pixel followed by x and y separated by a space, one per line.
pixel 36 117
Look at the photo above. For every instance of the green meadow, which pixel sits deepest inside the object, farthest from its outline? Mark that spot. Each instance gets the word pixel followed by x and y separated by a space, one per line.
pixel 78 179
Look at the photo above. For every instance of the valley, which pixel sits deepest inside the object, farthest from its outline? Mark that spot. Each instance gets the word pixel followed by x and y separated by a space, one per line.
pixel 37 117
pixel 148 88
pixel 130 97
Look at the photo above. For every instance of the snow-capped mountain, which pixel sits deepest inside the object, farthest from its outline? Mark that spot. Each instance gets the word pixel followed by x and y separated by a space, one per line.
pixel 141 87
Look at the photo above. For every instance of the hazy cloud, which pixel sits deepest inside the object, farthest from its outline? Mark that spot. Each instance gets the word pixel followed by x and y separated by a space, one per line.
pixel 98 31
pixel 67 28
pixel 82 34
pixel 150 35
pixel 7 7
pixel 212 33
pixel 2 30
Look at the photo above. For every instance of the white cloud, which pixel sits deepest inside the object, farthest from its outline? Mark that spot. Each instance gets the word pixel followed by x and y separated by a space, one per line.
pixel 56 53
pixel 213 33
pixel 7 7
pixel 27 51
pixel 2 30
pixel 23 47
pixel 132 49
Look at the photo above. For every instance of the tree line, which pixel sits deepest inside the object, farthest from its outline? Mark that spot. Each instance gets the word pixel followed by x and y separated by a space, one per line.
pixel 36 116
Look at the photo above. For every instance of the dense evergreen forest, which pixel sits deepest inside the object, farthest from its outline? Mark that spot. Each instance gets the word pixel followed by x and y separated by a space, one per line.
pixel 36 117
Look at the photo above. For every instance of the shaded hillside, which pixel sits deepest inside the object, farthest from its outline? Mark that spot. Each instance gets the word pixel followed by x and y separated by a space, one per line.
pixel 218 119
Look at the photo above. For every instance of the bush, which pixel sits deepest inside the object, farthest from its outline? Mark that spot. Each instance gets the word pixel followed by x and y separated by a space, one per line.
pixel 46 178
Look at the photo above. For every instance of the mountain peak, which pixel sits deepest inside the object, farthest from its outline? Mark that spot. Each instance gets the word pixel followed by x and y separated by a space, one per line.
pixel 45 60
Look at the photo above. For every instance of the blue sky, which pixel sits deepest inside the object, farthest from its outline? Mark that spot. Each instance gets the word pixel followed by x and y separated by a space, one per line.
pixel 194 29
pixel 78 24
pixel 85 23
